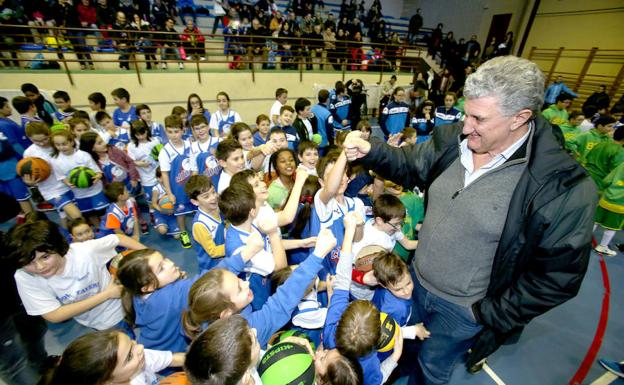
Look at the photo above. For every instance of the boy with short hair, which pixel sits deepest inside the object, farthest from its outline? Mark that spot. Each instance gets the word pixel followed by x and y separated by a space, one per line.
pixel 339 108
pixel 557 113
pixel 113 134
pixel 175 168
pixel 158 131
pixel 45 109
pixel 230 156
pixel 97 102
pixel 7 126
pixel 63 104
pixel 308 155
pixel 287 114
pixel 208 228
pixel 263 124
pixel 203 149
pixel 238 205
pixel 409 136
pixel 305 121
pixel 81 230
pixel 59 281
pixel 52 189
pixel 165 224
pixel 125 112
pixel 281 98
pixel 583 143
pixel 28 113
pixel 122 214
pixel 572 128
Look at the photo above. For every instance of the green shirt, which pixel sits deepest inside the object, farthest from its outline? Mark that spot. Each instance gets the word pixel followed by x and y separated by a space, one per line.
pixel 569 132
pixel 278 194
pixel 613 195
pixel 415 213
pixel 555 115
pixel 583 143
pixel 603 159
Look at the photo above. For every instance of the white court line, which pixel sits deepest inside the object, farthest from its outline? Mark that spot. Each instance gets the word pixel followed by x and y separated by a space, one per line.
pixel 605 379
pixel 493 375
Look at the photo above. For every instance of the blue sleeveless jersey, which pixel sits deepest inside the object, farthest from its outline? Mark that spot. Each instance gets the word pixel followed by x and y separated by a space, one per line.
pixel 217 229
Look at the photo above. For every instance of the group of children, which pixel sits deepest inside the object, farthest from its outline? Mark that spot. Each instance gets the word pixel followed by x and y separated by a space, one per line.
pixel 277 226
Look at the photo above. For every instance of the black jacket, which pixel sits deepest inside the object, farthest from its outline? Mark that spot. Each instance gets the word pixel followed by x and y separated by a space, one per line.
pixel 544 249
pixel 302 130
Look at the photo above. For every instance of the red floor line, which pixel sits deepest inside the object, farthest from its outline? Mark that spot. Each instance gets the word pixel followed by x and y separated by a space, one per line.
pixel 592 352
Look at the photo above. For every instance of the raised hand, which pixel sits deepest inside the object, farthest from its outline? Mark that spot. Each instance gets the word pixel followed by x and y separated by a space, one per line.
pixel 325 242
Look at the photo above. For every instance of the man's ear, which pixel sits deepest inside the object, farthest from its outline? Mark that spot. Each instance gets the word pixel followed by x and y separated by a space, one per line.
pixel 521 119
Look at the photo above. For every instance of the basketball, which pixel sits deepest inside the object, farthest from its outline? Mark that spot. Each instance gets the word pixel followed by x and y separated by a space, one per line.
pixel 166 207
pixel 37 168
pixel 295 333
pixel 365 258
pixel 82 177
pixel 156 151
pixel 287 363
pixel 178 378
pixel 389 330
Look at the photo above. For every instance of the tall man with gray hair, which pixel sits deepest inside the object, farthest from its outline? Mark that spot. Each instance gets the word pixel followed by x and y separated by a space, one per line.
pixel 509 216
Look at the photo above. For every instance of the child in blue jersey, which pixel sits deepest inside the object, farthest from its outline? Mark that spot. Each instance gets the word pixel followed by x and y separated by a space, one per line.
pixel 125 112
pixel 195 106
pixel 286 118
pixel 203 149
pixel 424 121
pixel 156 293
pixel 231 159
pixel 208 227
pixel 447 114
pixel 157 130
pixel 175 167
pixel 324 121
pixel 28 113
pixel 263 125
pixel 8 127
pixel 238 206
pixel 224 117
pixel 180 112
pixel 254 155
pixel 395 115
pixel 165 223
pixel 343 318
pixel 119 136
pixel 63 104
pixel 340 108
pixel 330 203
pixel 122 215
pixel 220 294
pixel 81 231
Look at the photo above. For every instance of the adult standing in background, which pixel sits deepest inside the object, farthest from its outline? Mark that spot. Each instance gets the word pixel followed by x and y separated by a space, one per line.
pixel 415 24
pixel 508 228
pixel 553 90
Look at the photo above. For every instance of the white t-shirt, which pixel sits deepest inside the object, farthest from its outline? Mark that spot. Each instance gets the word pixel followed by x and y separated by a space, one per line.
pixel 373 236
pixel 52 187
pixel 224 181
pixel 275 110
pixel 143 152
pixel 155 361
pixel 219 117
pixel 85 274
pixel 334 211
pixel 263 262
pixel 63 164
pixel 311 315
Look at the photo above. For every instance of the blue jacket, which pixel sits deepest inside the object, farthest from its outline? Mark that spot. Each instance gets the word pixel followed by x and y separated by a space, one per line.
pixel 340 112
pixel 444 116
pixel 324 124
pixel 400 309
pixel 553 90
pixel 394 118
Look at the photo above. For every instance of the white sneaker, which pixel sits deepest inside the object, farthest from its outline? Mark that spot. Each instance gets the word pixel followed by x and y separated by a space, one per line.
pixel 181 66
pixel 163 66
pixel 202 58
pixel 605 250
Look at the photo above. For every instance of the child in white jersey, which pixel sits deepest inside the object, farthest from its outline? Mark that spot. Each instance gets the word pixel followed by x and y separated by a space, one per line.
pixel 223 119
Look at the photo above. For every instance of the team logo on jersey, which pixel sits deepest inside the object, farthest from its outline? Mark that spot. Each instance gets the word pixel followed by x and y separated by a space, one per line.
pixel 212 166
pixel 185 172
pixel 118 173
pixel 130 225
pixel 226 128
pixel 120 145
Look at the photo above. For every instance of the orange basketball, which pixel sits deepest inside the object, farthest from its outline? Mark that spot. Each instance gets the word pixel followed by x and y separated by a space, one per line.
pixel 178 378
pixel 37 168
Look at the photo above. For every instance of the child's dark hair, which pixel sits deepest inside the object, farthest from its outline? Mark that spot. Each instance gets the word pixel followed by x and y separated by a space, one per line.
pixel 178 110
pixel 196 120
pixel 306 145
pixel 101 115
pixel 29 87
pixel 41 236
pixel 3 101
pixel 89 359
pixel 134 273
pixel 450 93
pixel 221 354
pixel 280 276
pixel 87 141
pixel 21 104
pixel 323 95
pixel 139 127
pixel 397 90
pixel 301 104
pixel 75 223
pixel 121 93
pixel 206 301
pixel 286 108
pixel 604 120
pixel 273 160
pixel 388 206
pixel 617 108
pixel 113 190
pixel 226 147
pixel 68 135
pixel 409 132
pixel 223 93
pixel 276 130
pixel 73 122
pixel 158 173
pixel 342 370
pixel 389 268
pixel 174 121
pixel 237 128
pixel 98 98
pixel 306 200
pixel 262 117
pixel 589 110
pixel 61 95
pixel 363 125
pixel 340 137
pixel 236 202
pixel 243 177
pixel 35 216
pixel 575 114
pixel 188 102
pixel 330 158
pixel 280 91
pixel 141 107
pixel 197 185
pixel 618 134
pixel 358 330
pixel 563 97
pixel 80 114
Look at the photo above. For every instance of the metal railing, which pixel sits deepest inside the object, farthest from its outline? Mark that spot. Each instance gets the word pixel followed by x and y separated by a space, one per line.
pixel 136 49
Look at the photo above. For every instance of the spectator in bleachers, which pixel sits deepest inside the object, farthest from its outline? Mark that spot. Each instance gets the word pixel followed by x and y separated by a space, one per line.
pixel 193 41
pixel 505 47
pixel 473 49
pixel 329 39
pixel 286 40
pixel 186 7
pixel 8 38
pixel 490 50
pixel 276 21
pixel 330 22
pixel 87 14
pixel 160 12
pixel 313 46
pixel 126 6
pixel 553 90
pixel 104 14
pixel 415 24
pixel 355 48
pixel 170 43
pixel 342 46
pixel 121 40
pixel 448 48
pixel 435 40
pixel 143 40
pixel 600 98
pixel 255 41
pixel 344 25
pixel 66 15
pixel 219 12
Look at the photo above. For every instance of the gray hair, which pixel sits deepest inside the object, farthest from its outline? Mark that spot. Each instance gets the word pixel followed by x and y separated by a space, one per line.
pixel 517 83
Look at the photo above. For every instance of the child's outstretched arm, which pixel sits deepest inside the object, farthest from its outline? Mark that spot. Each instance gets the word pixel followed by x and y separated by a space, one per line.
pixel 287 215
pixel 331 185
pixel 269 227
pixel 409 244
